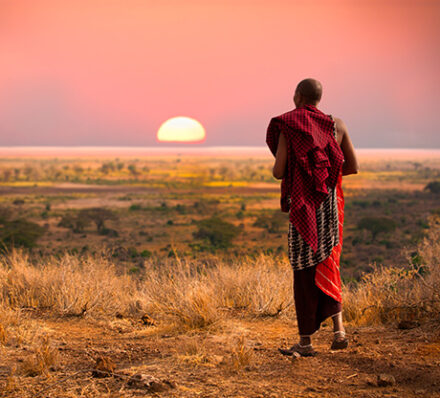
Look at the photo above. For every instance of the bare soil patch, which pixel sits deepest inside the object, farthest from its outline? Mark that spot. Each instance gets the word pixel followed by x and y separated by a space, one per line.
pixel 240 360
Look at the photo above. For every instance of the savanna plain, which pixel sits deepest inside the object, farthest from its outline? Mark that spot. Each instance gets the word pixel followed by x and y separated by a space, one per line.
pixel 166 274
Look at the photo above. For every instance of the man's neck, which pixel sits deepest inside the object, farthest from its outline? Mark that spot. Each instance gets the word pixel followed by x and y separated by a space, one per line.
pixel 305 105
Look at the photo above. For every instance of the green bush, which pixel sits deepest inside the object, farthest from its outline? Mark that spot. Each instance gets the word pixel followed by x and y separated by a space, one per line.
pixel 146 254
pixel 76 223
pixel 84 217
pixel 98 216
pixel 217 232
pixel 181 209
pixel 19 233
pixel 433 187
pixel 273 223
pixel 377 225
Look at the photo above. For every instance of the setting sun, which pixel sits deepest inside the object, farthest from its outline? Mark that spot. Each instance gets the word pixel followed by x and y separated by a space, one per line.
pixel 181 129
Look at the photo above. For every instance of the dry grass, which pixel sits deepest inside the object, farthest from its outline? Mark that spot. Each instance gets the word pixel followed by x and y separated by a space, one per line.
pixel 396 293
pixel 192 294
pixel 193 352
pixel 185 294
pixel 44 359
pixel 243 356
pixel 68 285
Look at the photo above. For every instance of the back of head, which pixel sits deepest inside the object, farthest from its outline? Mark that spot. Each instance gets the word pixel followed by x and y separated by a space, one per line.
pixel 310 91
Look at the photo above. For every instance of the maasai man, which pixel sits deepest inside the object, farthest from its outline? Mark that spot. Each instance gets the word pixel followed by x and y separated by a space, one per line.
pixel 312 152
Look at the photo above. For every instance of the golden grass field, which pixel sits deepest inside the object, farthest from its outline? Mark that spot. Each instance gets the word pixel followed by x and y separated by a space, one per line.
pixel 186 319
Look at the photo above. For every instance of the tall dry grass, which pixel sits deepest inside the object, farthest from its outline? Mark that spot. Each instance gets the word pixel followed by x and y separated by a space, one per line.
pixel 193 293
pixel 189 294
pixel 411 291
pixel 66 286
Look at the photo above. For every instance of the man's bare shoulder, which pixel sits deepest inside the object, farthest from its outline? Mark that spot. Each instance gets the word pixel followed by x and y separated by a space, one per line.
pixel 340 125
pixel 341 129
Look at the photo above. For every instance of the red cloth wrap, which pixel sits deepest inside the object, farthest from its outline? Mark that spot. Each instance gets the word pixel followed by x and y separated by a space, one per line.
pixel 327 276
pixel 314 161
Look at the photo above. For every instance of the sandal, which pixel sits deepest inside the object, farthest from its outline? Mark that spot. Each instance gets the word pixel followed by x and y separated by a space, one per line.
pixel 341 342
pixel 304 351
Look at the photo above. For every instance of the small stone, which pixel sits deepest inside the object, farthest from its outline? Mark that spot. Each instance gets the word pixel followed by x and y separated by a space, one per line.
pixel 147 320
pixel 104 367
pixel 407 324
pixel 150 383
pixel 371 382
pixel 385 380
pixel 295 356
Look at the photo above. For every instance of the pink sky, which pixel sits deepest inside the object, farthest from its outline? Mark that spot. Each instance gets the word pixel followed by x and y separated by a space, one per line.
pixel 109 72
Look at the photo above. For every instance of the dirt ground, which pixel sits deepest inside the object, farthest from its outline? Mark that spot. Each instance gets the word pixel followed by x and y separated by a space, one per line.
pixel 239 358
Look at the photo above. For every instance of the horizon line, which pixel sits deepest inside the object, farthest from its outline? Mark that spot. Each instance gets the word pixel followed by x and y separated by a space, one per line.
pixel 157 147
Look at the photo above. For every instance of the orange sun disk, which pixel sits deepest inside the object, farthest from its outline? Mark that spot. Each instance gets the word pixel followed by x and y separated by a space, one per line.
pixel 181 129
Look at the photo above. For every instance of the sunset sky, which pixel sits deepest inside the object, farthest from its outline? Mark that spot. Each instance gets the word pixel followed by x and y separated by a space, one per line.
pixel 110 72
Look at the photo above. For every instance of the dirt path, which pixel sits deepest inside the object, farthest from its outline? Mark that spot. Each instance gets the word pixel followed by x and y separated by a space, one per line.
pixel 240 359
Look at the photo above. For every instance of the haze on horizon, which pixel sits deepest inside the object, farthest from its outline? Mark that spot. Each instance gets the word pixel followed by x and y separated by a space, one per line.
pixel 109 73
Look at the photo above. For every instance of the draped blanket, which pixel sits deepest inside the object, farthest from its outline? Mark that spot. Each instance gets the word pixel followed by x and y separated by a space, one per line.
pixel 314 164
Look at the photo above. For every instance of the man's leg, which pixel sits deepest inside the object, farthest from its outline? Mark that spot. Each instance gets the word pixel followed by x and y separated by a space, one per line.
pixel 339 340
pixel 337 323
pixel 306 297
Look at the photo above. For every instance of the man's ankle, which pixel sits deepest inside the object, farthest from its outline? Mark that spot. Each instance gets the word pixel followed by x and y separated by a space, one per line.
pixel 305 341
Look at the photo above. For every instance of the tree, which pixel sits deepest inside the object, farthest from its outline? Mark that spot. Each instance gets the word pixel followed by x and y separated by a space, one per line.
pixel 433 187
pixel 217 232
pixel 377 225
pixel 133 170
pixel 77 223
pixel 19 233
pixel 84 217
pixel 98 216
pixel 273 222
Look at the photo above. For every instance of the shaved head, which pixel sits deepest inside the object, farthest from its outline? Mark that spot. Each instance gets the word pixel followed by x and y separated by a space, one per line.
pixel 310 90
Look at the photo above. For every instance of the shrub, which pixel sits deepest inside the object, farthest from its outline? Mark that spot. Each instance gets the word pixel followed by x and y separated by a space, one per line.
pixel 273 222
pixel 433 187
pixel 112 233
pixel 377 225
pixel 146 254
pixel 217 232
pixel 181 209
pixel 19 233
pixel 76 223
pixel 98 216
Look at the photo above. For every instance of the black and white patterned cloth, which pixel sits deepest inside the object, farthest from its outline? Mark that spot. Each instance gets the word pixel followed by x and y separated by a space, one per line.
pixel 300 253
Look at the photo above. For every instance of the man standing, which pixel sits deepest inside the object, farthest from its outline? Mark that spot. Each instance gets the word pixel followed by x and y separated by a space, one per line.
pixel 312 152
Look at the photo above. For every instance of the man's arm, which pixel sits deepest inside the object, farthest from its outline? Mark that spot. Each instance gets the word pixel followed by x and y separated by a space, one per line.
pixel 279 167
pixel 351 165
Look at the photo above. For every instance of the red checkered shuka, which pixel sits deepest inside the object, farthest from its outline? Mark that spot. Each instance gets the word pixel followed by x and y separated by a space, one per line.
pixel 314 162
